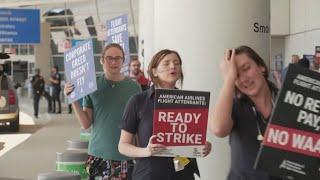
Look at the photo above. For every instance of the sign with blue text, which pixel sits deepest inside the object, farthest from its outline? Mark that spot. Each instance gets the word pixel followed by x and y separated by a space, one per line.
pixel 80 70
pixel 20 26
pixel 117 32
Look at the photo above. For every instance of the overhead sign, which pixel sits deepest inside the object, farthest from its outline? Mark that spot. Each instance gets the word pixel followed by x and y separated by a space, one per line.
pixel 80 70
pixel 117 32
pixel 180 122
pixel 291 144
pixel 20 26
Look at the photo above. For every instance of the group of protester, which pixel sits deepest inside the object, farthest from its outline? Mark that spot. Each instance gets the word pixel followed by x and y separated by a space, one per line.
pixel 280 74
pixel 119 102
pixel 38 89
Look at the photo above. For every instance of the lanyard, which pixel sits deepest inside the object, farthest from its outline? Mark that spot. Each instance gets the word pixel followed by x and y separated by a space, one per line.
pixel 259 117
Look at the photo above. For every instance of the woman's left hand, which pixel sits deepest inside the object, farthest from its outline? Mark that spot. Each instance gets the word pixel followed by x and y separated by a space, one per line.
pixel 152 149
pixel 207 149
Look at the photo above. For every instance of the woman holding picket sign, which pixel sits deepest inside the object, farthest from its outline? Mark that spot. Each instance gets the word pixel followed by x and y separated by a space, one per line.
pixel 164 70
pixel 242 110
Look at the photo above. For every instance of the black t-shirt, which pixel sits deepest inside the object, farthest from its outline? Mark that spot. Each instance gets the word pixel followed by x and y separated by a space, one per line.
pixel 244 143
pixel 56 76
pixel 37 84
pixel 138 119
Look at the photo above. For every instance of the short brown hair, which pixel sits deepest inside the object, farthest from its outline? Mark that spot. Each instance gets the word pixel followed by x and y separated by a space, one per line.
pixel 115 45
pixel 134 59
pixel 155 61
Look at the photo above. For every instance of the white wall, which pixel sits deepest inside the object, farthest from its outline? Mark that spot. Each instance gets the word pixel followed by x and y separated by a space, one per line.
pixel 304 28
pixel 146 32
pixel 279 17
pixel 277 47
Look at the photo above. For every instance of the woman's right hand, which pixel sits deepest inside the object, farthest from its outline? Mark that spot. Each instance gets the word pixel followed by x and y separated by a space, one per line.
pixel 228 66
pixel 68 88
pixel 152 149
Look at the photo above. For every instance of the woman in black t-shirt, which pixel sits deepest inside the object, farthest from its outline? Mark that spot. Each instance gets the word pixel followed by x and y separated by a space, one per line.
pixel 164 70
pixel 242 110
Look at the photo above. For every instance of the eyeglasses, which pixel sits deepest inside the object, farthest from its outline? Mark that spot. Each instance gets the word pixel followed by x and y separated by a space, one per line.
pixel 116 58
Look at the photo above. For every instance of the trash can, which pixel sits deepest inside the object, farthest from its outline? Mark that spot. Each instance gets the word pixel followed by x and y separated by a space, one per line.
pixel 85 134
pixel 77 145
pixel 56 175
pixel 72 161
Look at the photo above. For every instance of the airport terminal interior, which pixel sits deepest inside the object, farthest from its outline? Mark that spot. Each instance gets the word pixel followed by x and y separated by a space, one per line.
pixel 39 35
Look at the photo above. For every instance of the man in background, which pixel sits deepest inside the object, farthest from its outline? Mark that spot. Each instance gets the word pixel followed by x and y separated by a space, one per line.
pixel 38 89
pixel 294 59
pixel 316 63
pixel 56 89
pixel 137 75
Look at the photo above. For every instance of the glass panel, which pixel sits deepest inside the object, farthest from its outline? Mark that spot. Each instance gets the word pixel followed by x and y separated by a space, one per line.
pixel 31 49
pixel 31 68
pixel 4 47
pixel 58 61
pixel 132 45
pixel 54 47
pixel 16 48
pixel 97 46
pixel 23 49
pixel 97 64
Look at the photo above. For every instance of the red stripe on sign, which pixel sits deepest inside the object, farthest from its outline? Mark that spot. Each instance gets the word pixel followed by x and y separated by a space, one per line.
pixel 293 140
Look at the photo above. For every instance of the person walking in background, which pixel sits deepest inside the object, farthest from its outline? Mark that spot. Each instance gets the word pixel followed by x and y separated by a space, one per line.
pixel 56 88
pixel 304 62
pixel 136 74
pixel 38 84
pixel 69 108
pixel 102 110
pixel 46 95
pixel 315 66
pixel 243 109
pixel 165 70
pixel 294 60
